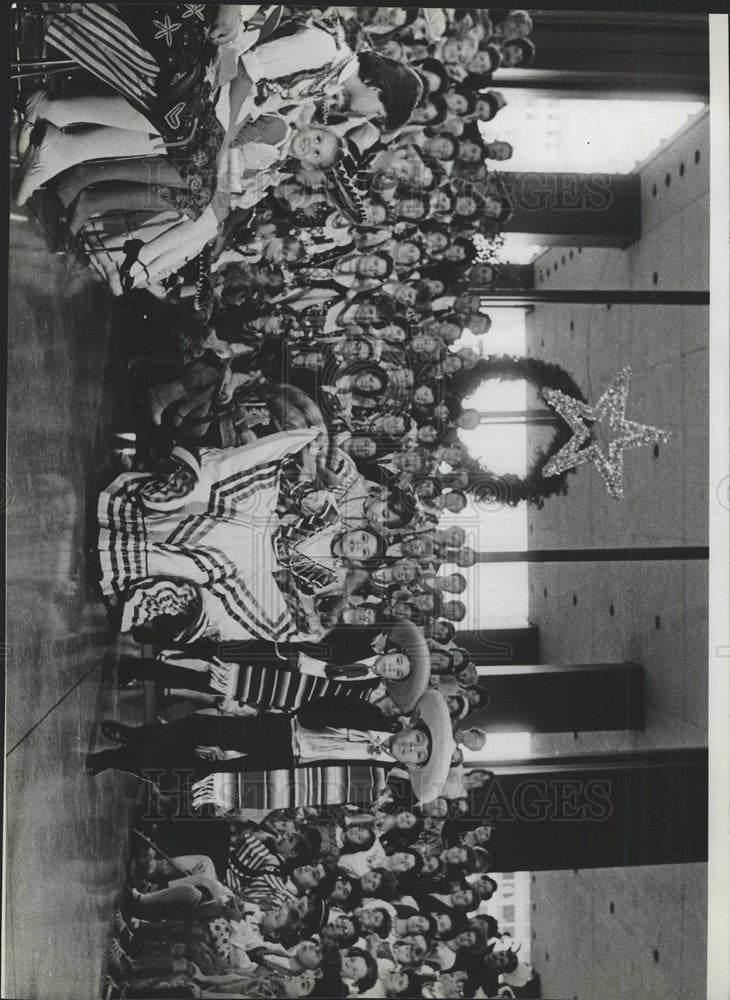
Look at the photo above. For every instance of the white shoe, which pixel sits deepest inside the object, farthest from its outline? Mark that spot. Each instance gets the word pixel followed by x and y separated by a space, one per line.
pixel 31 114
pixel 37 166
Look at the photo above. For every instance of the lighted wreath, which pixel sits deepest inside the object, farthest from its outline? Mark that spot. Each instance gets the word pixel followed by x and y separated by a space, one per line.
pixel 533 488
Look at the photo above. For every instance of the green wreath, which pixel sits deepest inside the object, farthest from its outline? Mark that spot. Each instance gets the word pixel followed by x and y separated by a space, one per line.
pixel 533 488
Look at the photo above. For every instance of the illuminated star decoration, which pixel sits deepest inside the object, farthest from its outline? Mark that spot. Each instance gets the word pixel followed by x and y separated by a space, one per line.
pixel 167 29
pixel 581 417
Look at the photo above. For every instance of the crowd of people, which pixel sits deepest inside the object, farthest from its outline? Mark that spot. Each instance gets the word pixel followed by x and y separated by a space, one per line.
pixel 291 207
pixel 321 902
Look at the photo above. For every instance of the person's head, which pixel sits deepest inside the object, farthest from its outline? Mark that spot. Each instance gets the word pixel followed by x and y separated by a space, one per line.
pixel 374 920
pixel 454 501
pixel 431 111
pixel 477 697
pixel 359 614
pixel 346 893
pixel 457 985
pixel 392 333
pixel 465 940
pixel 433 868
pixel 448 329
pixel 498 208
pixel 307 877
pixel 437 808
pixel 356 349
pixel 517 24
pixel 309 954
pixel 309 984
pixel 464 898
pixel 343 930
pixel 376 213
pixel 367 378
pixel 411 207
pixel 479 777
pixel 427 434
pixel 409 952
pixel 316 148
pixel 360 968
pixel 458 50
pixel 458 707
pixel 405 254
pixel 434 75
pixel 466 208
pixel 402 863
pixel 480 836
pixel 379 883
pixel 484 886
pixel 362 546
pixel 498 150
pixel 399 983
pixel 412 746
pixel 424 395
pixel 441 147
pixel 401 610
pixel 485 60
pixel 282 825
pixel 407 461
pixel 460 101
pixel 488 105
pixel 361 446
pixel 383 90
pixel 454 536
pixel 392 17
pixel 453 583
pixel 442 631
pixel 299 847
pixel 419 924
pixel 467 676
pixel 392 666
pixel 441 202
pixel 441 661
pixel 357 838
pixel 460 250
pixel 470 151
pixel 473 738
pixel 455 857
pixel 517 51
pixel 455 611
pixel 392 424
pixel 425 344
pixel 501 962
pixel 374 265
pixel 274 923
pixel 463 557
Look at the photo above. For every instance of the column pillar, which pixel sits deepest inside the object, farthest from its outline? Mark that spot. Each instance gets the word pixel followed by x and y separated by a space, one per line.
pixel 501 646
pixel 573 209
pixel 612 810
pixel 561 698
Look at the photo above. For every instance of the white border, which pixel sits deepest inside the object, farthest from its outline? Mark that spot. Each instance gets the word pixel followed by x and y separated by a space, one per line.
pixel 718 954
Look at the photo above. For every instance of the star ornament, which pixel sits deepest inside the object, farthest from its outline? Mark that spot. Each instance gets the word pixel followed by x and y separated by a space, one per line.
pixel 583 447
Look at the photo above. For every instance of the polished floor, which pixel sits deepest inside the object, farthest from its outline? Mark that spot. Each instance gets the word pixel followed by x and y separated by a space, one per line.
pixel 65 832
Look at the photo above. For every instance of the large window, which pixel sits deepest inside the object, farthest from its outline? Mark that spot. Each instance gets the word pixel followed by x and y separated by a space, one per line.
pixel 584 136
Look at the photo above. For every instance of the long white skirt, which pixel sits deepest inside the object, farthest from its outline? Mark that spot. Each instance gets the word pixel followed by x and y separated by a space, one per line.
pixel 220 539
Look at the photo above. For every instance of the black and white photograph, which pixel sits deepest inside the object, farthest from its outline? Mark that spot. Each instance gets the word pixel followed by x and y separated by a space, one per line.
pixel 366 496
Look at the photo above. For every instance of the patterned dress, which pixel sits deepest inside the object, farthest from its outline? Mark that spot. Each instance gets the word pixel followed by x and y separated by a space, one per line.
pixel 157 58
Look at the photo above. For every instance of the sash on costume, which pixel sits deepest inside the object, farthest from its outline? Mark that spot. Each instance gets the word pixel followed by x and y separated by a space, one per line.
pixel 229 794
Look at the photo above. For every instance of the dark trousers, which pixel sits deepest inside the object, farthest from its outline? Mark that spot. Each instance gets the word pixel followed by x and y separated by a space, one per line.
pixel 163 753
pixel 170 674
